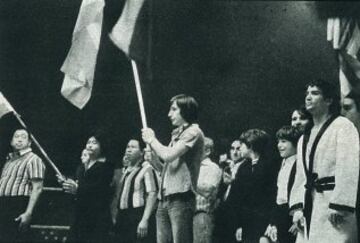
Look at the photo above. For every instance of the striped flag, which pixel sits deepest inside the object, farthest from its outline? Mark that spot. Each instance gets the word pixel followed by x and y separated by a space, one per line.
pixel 5 106
pixel 345 36
pixel 79 65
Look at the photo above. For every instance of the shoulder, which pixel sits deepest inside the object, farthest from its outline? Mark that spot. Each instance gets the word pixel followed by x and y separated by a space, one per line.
pixel 209 163
pixel 194 129
pixel 34 158
pixel 147 167
pixel 344 125
pixel 245 166
pixel 341 120
pixel 192 136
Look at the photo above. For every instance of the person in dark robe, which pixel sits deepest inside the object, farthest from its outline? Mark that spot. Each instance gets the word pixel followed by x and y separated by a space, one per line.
pixel 91 188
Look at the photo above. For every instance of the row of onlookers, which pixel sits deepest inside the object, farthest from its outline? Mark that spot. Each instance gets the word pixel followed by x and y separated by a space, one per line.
pixel 176 193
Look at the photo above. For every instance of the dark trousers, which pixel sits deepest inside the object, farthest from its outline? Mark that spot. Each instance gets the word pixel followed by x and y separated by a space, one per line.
pixel 127 223
pixel 90 226
pixel 283 223
pixel 10 209
pixel 225 225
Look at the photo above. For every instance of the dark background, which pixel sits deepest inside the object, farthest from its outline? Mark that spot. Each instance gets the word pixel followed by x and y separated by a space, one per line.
pixel 245 62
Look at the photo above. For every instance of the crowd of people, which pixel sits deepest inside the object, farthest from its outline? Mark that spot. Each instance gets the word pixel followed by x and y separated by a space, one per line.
pixel 177 193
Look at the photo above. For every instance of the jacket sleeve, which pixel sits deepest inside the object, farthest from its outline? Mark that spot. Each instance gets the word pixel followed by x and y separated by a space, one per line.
pixel 346 169
pixel 298 190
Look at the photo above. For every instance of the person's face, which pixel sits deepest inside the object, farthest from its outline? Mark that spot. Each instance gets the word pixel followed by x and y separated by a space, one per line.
pixel 93 146
pixel 175 116
pixel 85 156
pixel 20 140
pixel 315 102
pixel 298 121
pixel 133 152
pixel 235 154
pixel 350 111
pixel 286 148
pixel 245 151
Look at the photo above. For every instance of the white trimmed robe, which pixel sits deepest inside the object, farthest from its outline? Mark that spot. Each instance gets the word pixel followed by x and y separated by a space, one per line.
pixel 337 154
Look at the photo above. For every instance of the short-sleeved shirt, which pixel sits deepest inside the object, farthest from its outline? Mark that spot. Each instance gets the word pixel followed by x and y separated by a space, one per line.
pixel 209 179
pixel 19 169
pixel 136 183
pixel 181 174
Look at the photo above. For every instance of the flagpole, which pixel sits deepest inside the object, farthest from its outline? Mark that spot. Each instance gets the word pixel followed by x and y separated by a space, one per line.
pixel 139 93
pixel 57 171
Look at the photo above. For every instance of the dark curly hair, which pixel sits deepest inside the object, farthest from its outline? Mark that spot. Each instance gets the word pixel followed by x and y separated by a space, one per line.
pixel 329 92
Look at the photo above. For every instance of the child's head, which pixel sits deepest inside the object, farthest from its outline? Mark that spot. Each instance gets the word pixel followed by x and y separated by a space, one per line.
pixel 253 141
pixel 85 156
pixel 287 138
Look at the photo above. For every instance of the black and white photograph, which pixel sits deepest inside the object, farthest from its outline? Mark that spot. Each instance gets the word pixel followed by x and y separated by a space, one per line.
pixel 179 121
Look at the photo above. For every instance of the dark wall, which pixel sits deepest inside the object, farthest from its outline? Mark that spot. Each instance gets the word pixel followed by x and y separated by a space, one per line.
pixel 245 62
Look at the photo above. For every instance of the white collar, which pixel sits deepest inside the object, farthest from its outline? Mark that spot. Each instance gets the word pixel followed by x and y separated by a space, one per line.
pixel 290 159
pixel 19 153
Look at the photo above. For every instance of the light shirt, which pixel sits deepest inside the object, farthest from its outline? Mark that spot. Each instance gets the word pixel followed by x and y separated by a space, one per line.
pixel 208 184
pixel 283 179
pixel 181 175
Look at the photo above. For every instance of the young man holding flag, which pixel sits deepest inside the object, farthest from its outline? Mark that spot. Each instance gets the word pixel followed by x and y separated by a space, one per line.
pixel 180 172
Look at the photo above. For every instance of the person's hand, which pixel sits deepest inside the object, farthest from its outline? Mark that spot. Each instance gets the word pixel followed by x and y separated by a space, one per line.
pixel 70 186
pixel 336 217
pixel 223 158
pixel 293 229
pixel 268 230
pixel 299 220
pixel 60 178
pixel 227 178
pixel 142 228
pixel 148 135
pixel 238 235
pixel 113 211
pixel 24 221
pixel 273 234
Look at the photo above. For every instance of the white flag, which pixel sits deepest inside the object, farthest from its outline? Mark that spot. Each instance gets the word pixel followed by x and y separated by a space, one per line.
pixel 5 106
pixel 79 65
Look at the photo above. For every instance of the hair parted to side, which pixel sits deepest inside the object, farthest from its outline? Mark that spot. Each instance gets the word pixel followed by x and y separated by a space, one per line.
pixel 188 107
pixel 290 133
pixel 256 139
pixel 329 91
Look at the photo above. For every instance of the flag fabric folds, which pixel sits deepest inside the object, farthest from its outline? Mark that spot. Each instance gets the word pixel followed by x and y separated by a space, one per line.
pixel 345 36
pixel 79 65
pixel 5 106
pixel 131 31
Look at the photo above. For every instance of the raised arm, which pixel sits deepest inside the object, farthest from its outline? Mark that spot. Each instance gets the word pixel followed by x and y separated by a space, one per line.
pixel 167 154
